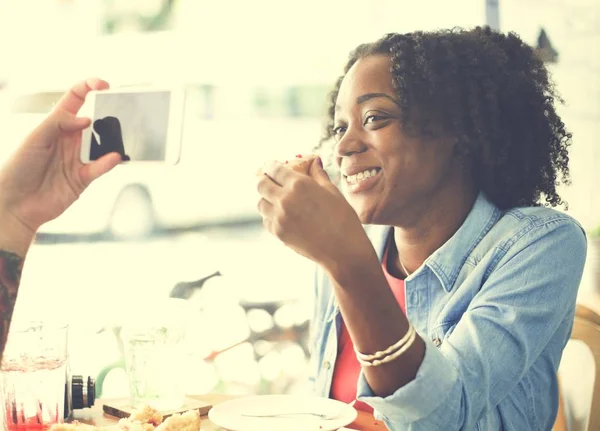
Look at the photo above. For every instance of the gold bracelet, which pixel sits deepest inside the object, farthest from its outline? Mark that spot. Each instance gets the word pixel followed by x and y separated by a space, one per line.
pixel 412 335
pixel 386 352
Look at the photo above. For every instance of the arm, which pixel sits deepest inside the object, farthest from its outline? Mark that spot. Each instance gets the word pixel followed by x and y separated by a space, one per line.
pixel 14 243
pixel 367 314
pixel 506 347
pixel 38 183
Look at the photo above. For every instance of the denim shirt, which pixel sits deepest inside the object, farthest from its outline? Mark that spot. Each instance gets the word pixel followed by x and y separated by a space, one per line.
pixel 495 307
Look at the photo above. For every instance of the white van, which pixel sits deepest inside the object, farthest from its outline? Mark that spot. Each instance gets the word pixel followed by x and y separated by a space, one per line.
pixel 235 120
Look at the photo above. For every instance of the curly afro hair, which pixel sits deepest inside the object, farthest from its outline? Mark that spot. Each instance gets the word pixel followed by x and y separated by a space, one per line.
pixel 493 94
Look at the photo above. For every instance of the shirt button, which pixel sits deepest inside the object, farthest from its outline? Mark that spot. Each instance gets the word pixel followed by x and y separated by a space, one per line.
pixel 437 342
pixel 414 298
pixel 326 365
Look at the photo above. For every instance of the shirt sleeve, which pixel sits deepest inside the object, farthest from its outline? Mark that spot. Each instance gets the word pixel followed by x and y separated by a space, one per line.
pixel 312 331
pixel 526 304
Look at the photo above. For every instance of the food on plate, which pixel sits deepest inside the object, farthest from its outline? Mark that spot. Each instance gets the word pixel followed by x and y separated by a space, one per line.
pixel 146 415
pixel 300 163
pixel 144 419
pixel 187 421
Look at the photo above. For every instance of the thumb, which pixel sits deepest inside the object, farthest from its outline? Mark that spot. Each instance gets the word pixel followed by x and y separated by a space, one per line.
pixel 96 169
pixel 317 172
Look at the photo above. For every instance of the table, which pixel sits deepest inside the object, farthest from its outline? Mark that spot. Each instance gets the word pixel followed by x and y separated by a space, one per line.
pixel 96 416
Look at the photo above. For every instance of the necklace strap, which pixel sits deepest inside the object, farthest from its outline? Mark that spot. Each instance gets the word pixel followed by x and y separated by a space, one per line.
pixel 403 268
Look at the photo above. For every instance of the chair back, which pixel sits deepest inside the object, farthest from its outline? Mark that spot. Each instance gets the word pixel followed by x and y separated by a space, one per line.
pixel 586 328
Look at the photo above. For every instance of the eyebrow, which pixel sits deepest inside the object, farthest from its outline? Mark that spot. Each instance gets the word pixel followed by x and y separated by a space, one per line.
pixel 362 99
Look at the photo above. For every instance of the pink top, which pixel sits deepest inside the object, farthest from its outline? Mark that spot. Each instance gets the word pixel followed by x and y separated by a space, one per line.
pixel 347 368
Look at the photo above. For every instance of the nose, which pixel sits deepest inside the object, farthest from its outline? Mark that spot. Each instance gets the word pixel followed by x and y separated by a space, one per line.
pixel 350 143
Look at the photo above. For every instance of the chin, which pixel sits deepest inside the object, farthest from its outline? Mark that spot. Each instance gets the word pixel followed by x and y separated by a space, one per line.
pixel 364 211
pixel 373 214
pixel 366 215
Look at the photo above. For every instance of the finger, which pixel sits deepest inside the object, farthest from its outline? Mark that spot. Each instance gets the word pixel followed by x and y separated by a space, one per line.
pixel 69 123
pixel 317 172
pixel 72 100
pixel 279 173
pixel 46 133
pixel 265 208
pixel 94 170
pixel 268 189
pixel 267 224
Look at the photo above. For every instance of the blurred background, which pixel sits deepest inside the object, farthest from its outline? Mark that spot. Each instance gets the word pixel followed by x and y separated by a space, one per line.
pixel 256 76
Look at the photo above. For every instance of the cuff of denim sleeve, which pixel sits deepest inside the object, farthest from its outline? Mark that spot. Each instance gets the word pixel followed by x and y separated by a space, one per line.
pixel 419 398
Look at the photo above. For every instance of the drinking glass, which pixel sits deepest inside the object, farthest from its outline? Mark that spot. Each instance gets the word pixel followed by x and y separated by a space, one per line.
pixel 33 376
pixel 155 355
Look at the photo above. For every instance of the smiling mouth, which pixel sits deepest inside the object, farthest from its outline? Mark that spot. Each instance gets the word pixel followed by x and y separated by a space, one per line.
pixel 361 176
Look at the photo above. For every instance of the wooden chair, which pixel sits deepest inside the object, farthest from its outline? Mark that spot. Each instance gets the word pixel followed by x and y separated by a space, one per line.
pixel 586 328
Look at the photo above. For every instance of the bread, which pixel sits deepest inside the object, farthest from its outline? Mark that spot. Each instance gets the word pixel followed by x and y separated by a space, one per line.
pixel 146 415
pixel 300 163
pixel 188 421
pixel 145 419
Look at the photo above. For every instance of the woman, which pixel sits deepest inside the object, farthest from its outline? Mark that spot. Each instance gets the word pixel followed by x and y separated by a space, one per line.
pixel 451 310
pixel 38 183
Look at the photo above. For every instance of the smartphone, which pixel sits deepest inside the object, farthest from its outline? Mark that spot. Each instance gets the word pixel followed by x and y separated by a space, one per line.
pixel 141 124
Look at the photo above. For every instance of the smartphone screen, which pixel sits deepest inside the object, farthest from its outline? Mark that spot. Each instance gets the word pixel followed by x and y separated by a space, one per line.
pixel 135 124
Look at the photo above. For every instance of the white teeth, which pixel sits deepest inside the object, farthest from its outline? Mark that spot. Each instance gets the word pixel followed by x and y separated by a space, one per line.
pixel 361 176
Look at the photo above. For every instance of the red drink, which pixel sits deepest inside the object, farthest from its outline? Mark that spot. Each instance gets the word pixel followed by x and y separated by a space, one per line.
pixel 31 427
pixel 34 392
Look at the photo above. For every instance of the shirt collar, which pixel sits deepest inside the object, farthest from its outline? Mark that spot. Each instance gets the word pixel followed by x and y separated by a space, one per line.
pixel 447 261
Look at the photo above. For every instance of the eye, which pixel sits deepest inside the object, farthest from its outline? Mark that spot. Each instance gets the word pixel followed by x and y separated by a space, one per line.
pixel 373 118
pixel 338 131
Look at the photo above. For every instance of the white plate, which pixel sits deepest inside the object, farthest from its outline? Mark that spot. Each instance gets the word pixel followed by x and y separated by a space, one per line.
pixel 229 414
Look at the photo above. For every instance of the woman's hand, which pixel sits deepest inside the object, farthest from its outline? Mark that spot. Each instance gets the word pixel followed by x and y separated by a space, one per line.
pixel 310 215
pixel 45 175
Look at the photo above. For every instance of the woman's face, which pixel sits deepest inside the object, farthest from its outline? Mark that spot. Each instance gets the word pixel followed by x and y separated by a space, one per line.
pixel 388 177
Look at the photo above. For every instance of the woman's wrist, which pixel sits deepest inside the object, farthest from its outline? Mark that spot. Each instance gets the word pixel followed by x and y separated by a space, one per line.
pixel 15 236
pixel 350 264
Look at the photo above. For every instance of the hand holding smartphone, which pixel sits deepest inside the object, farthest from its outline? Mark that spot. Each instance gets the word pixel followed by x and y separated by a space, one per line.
pixel 141 124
